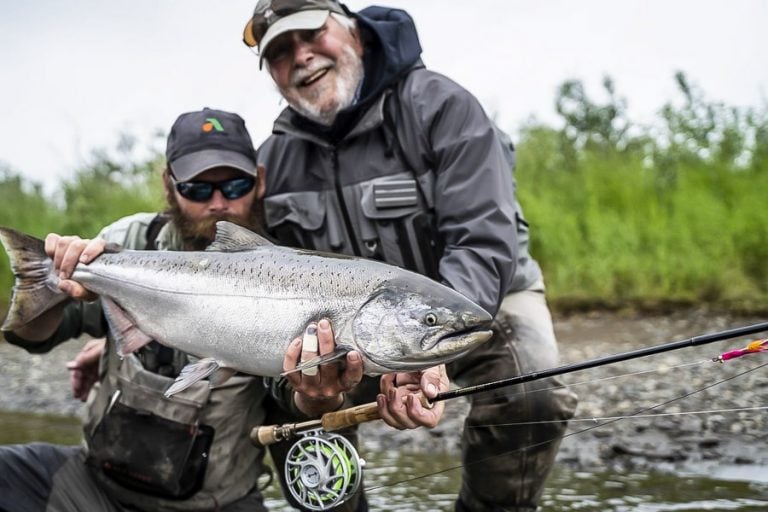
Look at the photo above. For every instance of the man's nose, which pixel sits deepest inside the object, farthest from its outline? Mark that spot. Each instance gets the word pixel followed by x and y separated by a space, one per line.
pixel 303 51
pixel 218 203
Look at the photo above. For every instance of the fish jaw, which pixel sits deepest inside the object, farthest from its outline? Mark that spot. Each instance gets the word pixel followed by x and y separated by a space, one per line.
pixel 459 343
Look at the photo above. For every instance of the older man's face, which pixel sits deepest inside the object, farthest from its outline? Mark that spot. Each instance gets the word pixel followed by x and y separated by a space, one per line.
pixel 317 71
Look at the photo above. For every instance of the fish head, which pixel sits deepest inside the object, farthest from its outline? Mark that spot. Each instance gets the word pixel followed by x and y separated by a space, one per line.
pixel 412 323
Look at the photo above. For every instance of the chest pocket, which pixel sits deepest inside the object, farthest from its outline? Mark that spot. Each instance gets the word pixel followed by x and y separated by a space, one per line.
pixel 305 219
pixel 395 225
pixel 388 215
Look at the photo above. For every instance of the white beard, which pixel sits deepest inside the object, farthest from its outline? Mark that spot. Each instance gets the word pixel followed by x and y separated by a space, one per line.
pixel 349 74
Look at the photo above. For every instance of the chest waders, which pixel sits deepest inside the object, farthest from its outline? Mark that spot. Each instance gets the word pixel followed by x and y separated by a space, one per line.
pixel 187 453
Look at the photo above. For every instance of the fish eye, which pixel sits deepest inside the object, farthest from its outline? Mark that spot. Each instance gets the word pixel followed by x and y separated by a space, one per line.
pixel 430 319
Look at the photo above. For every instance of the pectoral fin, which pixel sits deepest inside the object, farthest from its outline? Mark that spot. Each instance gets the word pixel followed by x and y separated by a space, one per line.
pixel 337 354
pixel 197 371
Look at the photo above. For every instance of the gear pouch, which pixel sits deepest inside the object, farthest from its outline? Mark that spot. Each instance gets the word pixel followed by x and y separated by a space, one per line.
pixel 149 454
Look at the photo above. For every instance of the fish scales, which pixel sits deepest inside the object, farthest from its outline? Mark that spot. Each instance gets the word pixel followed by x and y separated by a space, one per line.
pixel 242 301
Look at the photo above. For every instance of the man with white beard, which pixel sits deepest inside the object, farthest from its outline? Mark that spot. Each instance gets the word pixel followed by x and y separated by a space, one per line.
pixel 379 157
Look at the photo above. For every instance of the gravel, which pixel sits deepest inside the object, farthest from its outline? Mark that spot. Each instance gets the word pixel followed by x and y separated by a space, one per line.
pixel 652 388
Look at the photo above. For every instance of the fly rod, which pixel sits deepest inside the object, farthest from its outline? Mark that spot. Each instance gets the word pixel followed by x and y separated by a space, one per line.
pixel 334 421
pixel 600 361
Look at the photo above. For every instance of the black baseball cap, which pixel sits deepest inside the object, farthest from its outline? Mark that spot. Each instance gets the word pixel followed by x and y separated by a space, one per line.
pixel 206 139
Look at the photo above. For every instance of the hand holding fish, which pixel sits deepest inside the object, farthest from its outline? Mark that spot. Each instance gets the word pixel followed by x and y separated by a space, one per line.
pixel 66 252
pixel 320 389
pixel 399 404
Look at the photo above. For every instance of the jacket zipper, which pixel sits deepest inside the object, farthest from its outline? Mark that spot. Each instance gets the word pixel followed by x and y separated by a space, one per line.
pixel 342 202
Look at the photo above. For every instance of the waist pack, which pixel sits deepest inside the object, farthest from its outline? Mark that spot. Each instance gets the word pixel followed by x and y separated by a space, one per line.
pixel 149 454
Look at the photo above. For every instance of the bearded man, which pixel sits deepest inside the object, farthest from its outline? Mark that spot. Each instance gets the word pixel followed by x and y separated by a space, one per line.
pixel 138 452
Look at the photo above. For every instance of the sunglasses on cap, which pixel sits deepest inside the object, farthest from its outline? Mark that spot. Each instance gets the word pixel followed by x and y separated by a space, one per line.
pixel 267 13
pixel 201 191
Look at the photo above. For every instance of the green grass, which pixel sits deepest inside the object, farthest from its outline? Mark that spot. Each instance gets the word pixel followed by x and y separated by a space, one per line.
pixel 612 230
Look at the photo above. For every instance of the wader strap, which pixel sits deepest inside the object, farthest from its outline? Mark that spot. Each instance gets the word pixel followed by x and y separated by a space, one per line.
pixel 153 230
pixel 429 247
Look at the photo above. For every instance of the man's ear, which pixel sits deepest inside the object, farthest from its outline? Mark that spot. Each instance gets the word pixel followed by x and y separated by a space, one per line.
pixel 168 186
pixel 358 39
pixel 261 181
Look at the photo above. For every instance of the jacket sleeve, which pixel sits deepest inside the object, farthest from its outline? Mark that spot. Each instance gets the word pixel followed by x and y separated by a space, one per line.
pixel 474 189
pixel 79 318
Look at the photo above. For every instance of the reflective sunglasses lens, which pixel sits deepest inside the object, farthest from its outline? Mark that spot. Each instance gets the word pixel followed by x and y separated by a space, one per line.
pixel 195 191
pixel 236 188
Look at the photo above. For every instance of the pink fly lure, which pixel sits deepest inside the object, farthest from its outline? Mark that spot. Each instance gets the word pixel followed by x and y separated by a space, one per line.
pixel 753 347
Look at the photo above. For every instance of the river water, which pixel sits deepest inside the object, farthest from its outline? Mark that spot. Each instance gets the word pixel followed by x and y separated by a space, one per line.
pixel 408 481
pixel 713 462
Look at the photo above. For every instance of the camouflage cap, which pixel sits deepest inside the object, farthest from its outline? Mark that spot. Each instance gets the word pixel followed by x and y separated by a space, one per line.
pixel 274 17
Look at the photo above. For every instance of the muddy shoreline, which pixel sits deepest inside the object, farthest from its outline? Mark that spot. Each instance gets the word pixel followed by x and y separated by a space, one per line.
pixel 656 438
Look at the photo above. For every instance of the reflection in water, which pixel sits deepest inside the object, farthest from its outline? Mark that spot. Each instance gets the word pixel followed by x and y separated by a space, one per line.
pixel 396 481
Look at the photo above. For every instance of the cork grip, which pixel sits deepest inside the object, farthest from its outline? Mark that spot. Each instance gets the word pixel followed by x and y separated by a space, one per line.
pixel 330 422
pixel 356 415
pixel 349 417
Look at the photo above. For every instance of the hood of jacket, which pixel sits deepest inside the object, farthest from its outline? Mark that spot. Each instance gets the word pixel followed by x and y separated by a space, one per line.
pixel 391 48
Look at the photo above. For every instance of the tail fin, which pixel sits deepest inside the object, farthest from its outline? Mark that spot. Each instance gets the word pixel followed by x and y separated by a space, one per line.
pixel 36 288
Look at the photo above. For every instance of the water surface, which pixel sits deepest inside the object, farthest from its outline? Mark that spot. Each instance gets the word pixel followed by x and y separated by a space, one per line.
pixel 421 482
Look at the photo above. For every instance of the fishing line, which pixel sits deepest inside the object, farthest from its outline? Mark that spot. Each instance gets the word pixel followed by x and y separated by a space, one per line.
pixel 490 399
pixel 578 432
pixel 605 418
pixel 615 358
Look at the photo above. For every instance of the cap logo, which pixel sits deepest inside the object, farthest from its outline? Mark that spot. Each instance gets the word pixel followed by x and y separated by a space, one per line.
pixel 211 124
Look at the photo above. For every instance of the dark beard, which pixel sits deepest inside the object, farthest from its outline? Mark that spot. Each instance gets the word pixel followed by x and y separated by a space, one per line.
pixel 198 235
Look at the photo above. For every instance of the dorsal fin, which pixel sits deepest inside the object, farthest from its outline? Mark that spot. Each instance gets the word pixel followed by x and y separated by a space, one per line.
pixel 232 238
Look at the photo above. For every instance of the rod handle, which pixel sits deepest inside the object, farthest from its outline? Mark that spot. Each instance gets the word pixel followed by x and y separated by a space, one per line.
pixel 265 435
pixel 359 414
pixel 350 417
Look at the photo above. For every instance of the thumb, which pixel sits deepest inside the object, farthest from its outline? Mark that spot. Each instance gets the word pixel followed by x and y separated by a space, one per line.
pixel 432 381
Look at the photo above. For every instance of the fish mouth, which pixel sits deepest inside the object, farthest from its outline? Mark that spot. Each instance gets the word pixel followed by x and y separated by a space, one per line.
pixel 459 341
pixel 444 350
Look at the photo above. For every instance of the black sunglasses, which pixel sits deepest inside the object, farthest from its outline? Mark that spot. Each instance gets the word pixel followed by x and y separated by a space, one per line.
pixel 201 191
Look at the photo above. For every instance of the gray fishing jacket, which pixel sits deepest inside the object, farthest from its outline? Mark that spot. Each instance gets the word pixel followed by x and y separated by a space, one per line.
pixel 421 177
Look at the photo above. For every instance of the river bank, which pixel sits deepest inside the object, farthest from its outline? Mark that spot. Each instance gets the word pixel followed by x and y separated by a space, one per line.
pixel 659 438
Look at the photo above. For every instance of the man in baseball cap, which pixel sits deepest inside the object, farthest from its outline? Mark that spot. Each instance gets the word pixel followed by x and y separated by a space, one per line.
pixel 406 167
pixel 211 175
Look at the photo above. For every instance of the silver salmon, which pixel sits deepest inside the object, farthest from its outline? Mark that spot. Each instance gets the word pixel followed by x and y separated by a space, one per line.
pixel 238 304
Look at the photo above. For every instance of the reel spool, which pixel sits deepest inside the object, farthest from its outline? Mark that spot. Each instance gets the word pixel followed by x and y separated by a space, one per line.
pixel 322 470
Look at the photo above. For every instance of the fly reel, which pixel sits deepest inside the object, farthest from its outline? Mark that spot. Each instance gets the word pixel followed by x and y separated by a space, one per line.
pixel 322 470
